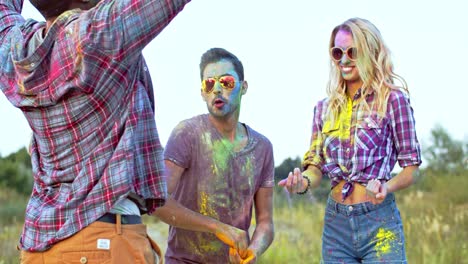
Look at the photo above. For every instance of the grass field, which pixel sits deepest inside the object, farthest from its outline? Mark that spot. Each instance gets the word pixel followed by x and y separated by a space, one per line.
pixel 434 213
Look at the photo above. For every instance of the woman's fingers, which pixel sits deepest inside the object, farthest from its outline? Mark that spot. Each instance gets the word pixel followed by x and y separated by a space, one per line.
pixel 293 183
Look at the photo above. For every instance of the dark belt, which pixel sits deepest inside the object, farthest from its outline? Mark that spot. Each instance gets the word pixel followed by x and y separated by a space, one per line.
pixel 125 219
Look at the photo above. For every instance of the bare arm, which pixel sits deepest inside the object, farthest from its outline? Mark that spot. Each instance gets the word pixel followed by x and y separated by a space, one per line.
pixel 264 231
pixel 175 214
pixel 377 191
pixel 404 179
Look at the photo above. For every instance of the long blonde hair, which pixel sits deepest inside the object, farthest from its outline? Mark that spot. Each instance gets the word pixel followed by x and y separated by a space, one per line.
pixel 374 65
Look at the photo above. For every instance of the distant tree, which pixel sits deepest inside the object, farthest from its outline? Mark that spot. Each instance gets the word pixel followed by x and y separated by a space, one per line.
pixel 285 167
pixel 16 172
pixel 446 155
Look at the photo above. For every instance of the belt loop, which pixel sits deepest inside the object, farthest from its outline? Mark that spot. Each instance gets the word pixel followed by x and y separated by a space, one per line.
pixel 118 224
pixel 336 206
pixel 365 207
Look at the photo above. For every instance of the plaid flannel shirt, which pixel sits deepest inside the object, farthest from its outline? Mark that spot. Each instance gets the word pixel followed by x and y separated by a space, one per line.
pixel 87 95
pixel 361 145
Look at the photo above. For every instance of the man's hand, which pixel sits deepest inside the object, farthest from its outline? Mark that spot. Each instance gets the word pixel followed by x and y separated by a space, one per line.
pixel 249 257
pixel 294 183
pixel 246 257
pixel 376 191
pixel 233 237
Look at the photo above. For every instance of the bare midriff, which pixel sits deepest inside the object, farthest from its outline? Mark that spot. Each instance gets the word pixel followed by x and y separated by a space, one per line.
pixel 357 196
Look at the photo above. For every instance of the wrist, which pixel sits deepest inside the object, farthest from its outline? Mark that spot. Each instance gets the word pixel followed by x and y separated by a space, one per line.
pixel 387 187
pixel 306 183
pixel 216 227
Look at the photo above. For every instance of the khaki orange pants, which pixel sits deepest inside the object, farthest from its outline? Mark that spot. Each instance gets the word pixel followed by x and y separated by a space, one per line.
pixel 101 243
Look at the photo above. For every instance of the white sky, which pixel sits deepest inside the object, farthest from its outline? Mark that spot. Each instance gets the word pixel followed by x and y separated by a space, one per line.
pixel 283 46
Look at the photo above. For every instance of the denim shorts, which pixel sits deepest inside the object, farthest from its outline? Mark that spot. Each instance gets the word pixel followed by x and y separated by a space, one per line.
pixel 363 233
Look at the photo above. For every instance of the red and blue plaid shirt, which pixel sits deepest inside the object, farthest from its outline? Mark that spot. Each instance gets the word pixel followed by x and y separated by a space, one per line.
pixel 361 145
pixel 87 95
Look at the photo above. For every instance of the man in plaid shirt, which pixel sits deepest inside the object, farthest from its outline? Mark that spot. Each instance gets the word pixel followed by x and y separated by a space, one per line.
pixel 82 83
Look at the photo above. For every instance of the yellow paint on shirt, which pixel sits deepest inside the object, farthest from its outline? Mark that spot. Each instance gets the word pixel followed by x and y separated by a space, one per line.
pixel 205 205
pixel 341 128
pixel 384 240
pixel 21 86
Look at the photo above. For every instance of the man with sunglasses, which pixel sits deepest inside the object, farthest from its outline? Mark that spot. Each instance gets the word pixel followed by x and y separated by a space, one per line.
pixel 218 169
pixel 82 83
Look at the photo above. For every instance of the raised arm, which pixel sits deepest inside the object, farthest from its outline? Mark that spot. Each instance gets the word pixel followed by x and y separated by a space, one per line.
pixel 10 16
pixel 123 28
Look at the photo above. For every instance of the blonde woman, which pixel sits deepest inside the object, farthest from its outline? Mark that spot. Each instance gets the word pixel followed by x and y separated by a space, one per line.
pixel 359 132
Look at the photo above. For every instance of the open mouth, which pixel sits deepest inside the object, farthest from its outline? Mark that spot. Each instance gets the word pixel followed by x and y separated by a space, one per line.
pixel 218 103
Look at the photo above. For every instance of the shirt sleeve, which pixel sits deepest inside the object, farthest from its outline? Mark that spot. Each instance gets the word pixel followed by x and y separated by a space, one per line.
pixel 179 145
pixel 10 16
pixel 123 28
pixel 403 130
pixel 314 156
pixel 268 170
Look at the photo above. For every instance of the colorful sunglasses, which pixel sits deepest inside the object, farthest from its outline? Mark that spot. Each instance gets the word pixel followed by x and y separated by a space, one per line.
pixel 337 53
pixel 227 82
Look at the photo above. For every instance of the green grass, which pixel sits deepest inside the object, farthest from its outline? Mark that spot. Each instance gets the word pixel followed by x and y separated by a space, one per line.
pixel 298 231
pixel 435 220
pixel 434 213
pixel 11 219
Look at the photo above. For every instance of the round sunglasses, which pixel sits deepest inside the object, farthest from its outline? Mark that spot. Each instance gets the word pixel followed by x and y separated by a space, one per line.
pixel 227 82
pixel 337 53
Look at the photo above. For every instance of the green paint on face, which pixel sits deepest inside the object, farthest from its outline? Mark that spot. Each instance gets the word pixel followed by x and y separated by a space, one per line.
pixel 384 241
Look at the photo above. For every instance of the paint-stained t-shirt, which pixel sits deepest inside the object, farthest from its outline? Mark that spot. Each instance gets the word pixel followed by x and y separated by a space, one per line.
pixel 362 145
pixel 217 182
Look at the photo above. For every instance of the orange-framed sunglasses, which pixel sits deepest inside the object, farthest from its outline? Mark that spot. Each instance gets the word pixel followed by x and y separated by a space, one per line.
pixel 227 82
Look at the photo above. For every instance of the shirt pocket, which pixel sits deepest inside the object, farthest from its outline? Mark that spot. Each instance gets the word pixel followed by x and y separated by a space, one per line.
pixel 369 133
pixel 331 139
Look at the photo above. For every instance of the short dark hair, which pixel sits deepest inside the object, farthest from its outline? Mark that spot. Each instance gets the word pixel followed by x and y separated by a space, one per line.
pixel 51 8
pixel 216 54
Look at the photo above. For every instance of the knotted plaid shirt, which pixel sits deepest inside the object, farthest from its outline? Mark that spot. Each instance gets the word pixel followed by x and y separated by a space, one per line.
pixel 362 145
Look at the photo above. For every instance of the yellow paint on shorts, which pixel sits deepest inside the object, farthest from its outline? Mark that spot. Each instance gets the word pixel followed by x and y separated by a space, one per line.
pixel 384 241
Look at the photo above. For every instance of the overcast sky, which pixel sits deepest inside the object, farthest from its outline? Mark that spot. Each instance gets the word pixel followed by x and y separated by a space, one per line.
pixel 284 48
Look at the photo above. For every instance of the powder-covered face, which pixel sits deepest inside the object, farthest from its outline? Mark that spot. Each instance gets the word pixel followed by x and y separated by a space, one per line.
pixel 222 102
pixel 348 69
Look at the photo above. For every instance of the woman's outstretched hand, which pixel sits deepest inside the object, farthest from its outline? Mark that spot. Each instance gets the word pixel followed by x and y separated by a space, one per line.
pixel 294 183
